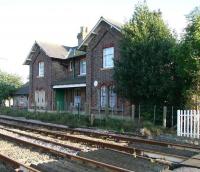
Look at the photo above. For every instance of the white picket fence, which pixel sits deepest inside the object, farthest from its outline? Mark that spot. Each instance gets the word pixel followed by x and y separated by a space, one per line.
pixel 188 123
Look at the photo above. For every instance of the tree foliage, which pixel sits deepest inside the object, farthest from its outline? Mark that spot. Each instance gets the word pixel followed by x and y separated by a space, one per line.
pixel 189 54
pixel 8 85
pixel 146 71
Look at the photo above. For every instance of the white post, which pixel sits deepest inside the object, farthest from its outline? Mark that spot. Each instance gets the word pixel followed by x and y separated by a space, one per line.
pixel 184 123
pixel 188 116
pixel 198 124
pixel 195 113
pixel 181 121
pixel 191 123
pixel 178 122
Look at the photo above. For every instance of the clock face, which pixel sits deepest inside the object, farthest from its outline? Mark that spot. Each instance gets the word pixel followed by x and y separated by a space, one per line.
pixel 95 83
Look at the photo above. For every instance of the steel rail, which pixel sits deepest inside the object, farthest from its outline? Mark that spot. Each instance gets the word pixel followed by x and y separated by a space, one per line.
pixel 43 140
pixel 17 165
pixel 112 136
pixel 67 155
pixel 132 150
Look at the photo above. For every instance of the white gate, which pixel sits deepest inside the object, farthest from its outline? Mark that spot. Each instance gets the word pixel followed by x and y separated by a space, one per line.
pixel 188 123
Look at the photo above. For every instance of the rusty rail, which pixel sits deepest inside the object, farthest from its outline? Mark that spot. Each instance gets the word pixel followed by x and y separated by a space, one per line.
pixel 17 165
pixel 131 150
pixel 67 155
pixel 108 135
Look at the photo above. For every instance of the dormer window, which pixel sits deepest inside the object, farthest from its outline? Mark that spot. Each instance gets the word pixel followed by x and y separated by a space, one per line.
pixel 83 67
pixel 41 69
pixel 108 56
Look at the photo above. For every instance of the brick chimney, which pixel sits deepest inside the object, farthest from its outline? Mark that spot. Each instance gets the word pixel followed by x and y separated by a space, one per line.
pixel 83 33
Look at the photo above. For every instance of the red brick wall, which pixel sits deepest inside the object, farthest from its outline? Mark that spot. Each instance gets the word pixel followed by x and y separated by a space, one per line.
pixel 105 37
pixel 40 83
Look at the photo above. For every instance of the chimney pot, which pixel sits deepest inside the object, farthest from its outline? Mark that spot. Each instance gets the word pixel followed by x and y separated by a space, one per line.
pixel 83 33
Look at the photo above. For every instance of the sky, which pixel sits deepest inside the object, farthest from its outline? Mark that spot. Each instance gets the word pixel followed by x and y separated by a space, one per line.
pixel 58 21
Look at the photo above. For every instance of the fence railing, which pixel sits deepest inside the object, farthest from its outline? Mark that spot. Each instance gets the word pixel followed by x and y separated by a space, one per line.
pixel 188 123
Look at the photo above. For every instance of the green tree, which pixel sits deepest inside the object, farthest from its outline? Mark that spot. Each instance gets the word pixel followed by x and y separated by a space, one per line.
pixel 189 56
pixel 8 85
pixel 146 70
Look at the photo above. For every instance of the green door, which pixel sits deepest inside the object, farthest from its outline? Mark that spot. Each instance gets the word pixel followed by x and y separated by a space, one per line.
pixel 60 99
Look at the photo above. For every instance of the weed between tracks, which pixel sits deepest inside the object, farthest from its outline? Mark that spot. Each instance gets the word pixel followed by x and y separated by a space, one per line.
pixel 74 120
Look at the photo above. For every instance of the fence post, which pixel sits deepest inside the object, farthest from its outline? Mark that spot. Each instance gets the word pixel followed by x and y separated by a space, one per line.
pixel 172 123
pixel 178 122
pixel 139 113
pixel 198 124
pixel 188 116
pixel 122 111
pixel 164 116
pixel 133 112
pixel 154 114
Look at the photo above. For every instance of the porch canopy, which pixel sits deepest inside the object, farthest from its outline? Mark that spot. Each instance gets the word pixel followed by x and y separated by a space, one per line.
pixel 71 83
pixel 70 93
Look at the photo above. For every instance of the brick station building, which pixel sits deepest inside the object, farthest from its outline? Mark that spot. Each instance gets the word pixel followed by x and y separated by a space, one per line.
pixel 63 77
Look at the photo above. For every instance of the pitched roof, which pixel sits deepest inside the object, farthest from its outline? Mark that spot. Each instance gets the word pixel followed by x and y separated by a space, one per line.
pixel 54 51
pixel 23 90
pixel 111 22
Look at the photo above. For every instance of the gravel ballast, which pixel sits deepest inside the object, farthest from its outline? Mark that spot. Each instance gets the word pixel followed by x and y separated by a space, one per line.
pixel 29 157
pixel 5 168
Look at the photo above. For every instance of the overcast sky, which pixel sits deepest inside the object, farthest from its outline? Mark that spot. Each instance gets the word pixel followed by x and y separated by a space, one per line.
pixel 58 21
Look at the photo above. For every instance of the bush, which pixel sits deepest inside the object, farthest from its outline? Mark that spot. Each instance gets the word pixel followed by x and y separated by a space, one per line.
pixel 75 120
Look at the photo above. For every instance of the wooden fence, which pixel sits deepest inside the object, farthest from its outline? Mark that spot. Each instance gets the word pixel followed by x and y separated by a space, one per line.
pixel 188 123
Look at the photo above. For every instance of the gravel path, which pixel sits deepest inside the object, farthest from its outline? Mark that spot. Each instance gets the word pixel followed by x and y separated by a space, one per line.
pixel 123 160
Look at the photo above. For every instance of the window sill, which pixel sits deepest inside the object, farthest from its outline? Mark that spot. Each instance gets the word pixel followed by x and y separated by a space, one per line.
pixel 82 75
pixel 107 68
pixel 39 76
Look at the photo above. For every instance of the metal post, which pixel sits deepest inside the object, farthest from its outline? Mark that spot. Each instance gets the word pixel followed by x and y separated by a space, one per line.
pixel 133 112
pixel 154 115
pixel 172 116
pixel 122 111
pixel 139 113
pixel 164 116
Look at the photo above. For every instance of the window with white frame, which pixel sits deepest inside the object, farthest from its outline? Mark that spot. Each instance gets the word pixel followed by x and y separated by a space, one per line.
pixel 112 97
pixel 70 66
pixel 108 56
pixel 82 67
pixel 41 69
pixel 103 96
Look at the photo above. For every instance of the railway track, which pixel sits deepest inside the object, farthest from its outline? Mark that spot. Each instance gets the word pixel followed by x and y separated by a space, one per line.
pixel 137 151
pixel 87 164
pixel 15 165
pixel 104 135
pixel 73 135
